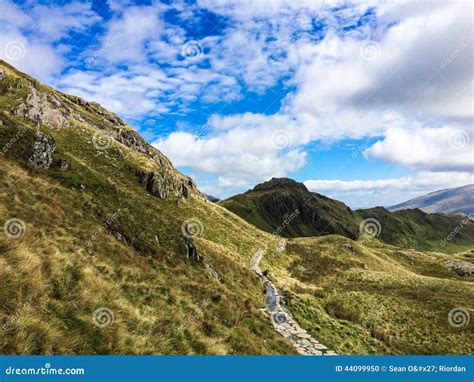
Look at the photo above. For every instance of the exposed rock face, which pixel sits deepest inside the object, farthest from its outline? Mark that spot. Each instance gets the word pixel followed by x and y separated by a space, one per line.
pixel 56 110
pixel 43 107
pixel 95 108
pixel 64 164
pixel 43 150
pixel 164 185
pixel 118 235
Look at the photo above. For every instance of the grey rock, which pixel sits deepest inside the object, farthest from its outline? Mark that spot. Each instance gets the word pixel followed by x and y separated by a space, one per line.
pixel 64 164
pixel 161 185
pixel 120 237
pixel 462 268
pixel 40 107
pixel 43 150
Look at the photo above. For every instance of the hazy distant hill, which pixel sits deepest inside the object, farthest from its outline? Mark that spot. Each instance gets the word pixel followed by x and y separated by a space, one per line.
pixel 450 201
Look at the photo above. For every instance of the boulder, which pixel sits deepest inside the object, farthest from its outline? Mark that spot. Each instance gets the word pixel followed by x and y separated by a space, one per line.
pixel 43 150
pixel 163 185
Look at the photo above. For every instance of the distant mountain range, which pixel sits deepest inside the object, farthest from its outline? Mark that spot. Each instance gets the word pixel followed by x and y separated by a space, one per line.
pixel 450 201
pixel 287 208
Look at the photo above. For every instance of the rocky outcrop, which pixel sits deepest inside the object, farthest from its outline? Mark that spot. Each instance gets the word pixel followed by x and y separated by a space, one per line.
pixel 55 110
pixel 164 185
pixel 45 108
pixel 43 150
pixel 462 268
pixel 95 108
pixel 212 272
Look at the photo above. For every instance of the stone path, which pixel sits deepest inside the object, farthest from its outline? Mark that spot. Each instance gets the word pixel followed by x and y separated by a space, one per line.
pixel 282 320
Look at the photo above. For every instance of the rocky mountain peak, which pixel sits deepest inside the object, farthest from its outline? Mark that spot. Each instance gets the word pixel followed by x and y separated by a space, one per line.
pixel 280 183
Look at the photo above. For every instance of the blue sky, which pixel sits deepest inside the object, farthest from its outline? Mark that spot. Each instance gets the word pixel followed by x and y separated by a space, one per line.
pixel 369 102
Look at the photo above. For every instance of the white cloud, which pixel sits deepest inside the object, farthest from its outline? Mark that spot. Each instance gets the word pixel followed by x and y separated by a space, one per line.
pixel 434 149
pixel 404 75
pixel 240 157
pixel 27 38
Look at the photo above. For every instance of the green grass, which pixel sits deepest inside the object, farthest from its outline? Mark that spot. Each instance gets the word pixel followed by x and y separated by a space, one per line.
pixel 372 298
pixel 318 215
pixel 51 280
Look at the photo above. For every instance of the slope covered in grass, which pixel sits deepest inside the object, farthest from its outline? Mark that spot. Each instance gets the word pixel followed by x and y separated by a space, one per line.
pixel 283 204
pixel 372 298
pixel 96 262
pixel 269 204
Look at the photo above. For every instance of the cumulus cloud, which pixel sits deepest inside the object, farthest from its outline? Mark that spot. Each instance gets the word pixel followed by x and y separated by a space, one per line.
pixel 29 39
pixel 434 149
pixel 239 156
pixel 406 79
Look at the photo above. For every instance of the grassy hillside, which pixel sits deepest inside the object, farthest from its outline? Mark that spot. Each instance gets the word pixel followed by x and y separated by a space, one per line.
pixel 419 230
pixel 283 204
pixel 91 242
pixel 374 298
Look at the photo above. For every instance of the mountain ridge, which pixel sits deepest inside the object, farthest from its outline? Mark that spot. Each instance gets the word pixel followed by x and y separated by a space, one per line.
pixel 451 201
pixel 266 205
